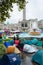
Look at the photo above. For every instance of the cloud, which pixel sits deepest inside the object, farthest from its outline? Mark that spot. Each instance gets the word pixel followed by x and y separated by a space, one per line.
pixel 34 9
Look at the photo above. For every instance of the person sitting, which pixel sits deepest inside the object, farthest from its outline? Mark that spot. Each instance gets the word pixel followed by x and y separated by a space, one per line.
pixel 14 39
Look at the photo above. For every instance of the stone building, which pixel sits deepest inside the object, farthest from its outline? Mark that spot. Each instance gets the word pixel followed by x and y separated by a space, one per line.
pixel 40 24
pixel 26 25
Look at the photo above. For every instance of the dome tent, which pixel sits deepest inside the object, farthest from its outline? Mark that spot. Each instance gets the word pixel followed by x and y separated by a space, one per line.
pixel 35 41
pixel 29 48
pixel 12 59
pixel 7 44
pixel 2 49
pixel 38 57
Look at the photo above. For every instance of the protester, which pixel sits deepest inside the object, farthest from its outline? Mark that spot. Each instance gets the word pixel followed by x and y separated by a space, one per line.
pixel 16 40
pixel 20 46
pixel 0 36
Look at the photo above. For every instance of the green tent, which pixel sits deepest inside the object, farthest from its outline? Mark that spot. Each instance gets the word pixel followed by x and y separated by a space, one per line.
pixel 38 57
pixel 2 49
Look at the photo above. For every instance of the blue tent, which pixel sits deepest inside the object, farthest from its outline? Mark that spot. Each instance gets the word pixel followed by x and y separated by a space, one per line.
pixel 38 57
pixel 10 59
pixel 7 44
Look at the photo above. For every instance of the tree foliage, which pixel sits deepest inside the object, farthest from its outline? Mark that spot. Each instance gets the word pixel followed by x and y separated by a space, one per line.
pixel 6 5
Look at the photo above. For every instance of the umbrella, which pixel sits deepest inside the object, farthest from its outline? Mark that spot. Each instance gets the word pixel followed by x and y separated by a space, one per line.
pixel 29 48
pixel 38 57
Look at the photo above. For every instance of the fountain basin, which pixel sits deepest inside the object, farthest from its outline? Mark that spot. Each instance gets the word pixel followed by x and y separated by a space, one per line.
pixel 35 33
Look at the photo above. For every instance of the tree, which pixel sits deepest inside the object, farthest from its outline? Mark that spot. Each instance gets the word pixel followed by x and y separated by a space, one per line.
pixel 6 5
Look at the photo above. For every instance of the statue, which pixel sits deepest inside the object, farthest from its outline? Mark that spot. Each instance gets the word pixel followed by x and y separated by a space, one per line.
pixel 35 30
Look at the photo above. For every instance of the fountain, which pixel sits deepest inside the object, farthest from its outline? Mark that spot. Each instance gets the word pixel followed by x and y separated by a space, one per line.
pixel 34 29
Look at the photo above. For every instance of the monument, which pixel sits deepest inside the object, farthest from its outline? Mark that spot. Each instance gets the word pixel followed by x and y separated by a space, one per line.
pixel 34 29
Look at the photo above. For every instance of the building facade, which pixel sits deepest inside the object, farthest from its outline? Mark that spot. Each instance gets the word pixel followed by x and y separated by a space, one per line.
pixel 40 24
pixel 24 25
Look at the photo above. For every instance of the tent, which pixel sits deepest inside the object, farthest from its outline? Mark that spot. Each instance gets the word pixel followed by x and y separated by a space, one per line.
pixel 38 57
pixel 2 49
pixel 27 42
pixel 39 43
pixel 10 59
pixel 35 41
pixel 29 48
pixel 7 44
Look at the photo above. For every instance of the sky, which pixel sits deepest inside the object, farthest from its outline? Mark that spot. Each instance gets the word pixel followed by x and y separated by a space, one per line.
pixel 34 9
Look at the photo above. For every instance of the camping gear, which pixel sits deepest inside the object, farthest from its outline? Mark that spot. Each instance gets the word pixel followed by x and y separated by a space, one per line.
pixel 39 43
pixel 7 44
pixel 11 42
pixel 17 51
pixel 35 41
pixel 29 48
pixel 2 49
pixel 27 42
pixel 10 49
pixel 38 57
pixel 10 59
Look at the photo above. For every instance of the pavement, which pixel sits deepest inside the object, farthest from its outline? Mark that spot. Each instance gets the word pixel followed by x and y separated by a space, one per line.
pixel 27 58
